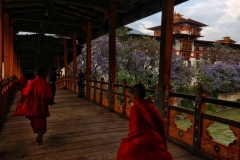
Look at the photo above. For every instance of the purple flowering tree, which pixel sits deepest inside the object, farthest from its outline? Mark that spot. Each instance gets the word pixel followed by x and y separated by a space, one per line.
pixel 100 60
pixel 221 77
pixel 137 59
pixel 181 74
pixel 221 71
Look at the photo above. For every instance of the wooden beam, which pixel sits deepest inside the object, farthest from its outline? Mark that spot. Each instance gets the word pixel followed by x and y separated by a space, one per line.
pixel 49 39
pixel 65 56
pixel 56 20
pixel 58 62
pixel 89 56
pixel 6 45
pixel 65 9
pixel 24 3
pixel 17 46
pixel 103 4
pixel 74 38
pixel 48 30
pixel 112 53
pixel 112 42
pixel 11 49
pixel 89 49
pixel 165 53
pixel 15 64
pixel 1 42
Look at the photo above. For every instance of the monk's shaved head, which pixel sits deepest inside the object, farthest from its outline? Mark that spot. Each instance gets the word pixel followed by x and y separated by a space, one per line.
pixel 39 71
pixel 139 91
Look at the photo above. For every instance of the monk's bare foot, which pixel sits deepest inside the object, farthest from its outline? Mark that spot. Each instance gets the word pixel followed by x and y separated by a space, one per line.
pixel 40 137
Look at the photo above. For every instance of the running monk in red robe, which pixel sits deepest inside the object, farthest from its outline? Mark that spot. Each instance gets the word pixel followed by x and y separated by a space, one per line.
pixel 146 139
pixel 33 103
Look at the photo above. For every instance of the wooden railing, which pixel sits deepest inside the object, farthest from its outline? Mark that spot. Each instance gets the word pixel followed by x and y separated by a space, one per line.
pixel 7 91
pixel 196 138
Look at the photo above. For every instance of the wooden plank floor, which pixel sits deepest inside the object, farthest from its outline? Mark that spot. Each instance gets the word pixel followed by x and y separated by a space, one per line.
pixel 77 129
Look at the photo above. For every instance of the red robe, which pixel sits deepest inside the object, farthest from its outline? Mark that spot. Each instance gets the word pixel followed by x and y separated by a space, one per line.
pixel 23 81
pixel 33 103
pixel 146 139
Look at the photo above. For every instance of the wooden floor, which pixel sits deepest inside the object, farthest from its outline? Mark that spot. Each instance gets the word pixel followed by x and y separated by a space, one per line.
pixel 77 129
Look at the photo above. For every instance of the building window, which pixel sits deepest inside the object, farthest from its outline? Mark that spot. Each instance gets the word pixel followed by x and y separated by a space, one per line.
pixel 186 46
pixel 197 56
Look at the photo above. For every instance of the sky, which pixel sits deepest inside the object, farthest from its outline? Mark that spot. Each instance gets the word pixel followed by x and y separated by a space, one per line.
pixel 221 16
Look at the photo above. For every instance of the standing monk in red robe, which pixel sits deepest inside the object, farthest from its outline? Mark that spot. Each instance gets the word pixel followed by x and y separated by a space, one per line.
pixel 146 139
pixel 33 103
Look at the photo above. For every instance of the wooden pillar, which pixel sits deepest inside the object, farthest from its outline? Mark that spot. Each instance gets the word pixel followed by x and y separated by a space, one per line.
pixel 165 55
pixel 58 65
pixel 15 64
pixel 74 37
pixel 58 62
pixel 1 56
pixel 1 40
pixel 6 45
pixel 112 53
pixel 11 49
pixel 89 57
pixel 65 56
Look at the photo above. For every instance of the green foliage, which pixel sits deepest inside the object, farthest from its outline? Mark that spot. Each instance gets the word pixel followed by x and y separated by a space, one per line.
pixel 121 34
pixel 192 90
pixel 122 76
pixel 211 108
pixel 150 79
pixel 238 100
pixel 214 94
pixel 186 103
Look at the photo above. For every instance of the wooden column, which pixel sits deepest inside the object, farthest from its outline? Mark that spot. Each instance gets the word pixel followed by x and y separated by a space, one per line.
pixel 1 40
pixel 1 56
pixel 58 62
pixel 89 57
pixel 165 55
pixel 74 37
pixel 112 53
pixel 58 65
pixel 65 56
pixel 11 49
pixel 15 64
pixel 6 45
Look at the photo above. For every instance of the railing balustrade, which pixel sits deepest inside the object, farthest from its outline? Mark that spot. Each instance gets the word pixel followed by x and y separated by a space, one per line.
pixel 7 91
pixel 196 137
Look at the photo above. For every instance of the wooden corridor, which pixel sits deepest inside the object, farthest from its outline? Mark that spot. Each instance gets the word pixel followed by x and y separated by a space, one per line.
pixel 77 129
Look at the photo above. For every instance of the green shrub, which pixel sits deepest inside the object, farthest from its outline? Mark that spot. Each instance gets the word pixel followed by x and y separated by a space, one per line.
pixel 238 100
pixel 186 103
pixel 211 108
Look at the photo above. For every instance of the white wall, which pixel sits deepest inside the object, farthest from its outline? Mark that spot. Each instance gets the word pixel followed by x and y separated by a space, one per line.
pixel 63 71
pixel 177 45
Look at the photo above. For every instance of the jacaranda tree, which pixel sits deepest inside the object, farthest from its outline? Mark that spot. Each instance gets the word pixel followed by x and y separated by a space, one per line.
pixel 137 59
pixel 220 72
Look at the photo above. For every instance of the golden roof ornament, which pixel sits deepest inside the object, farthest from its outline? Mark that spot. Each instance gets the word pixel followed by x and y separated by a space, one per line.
pixel 177 17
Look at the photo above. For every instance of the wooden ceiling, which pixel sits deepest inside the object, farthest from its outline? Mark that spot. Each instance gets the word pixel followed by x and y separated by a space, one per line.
pixel 62 18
